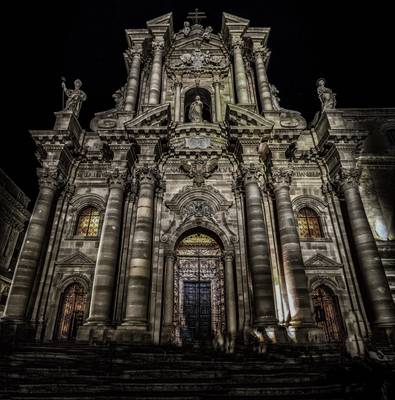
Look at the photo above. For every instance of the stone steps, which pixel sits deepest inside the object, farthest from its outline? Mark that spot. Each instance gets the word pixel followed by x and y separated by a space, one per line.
pixel 96 372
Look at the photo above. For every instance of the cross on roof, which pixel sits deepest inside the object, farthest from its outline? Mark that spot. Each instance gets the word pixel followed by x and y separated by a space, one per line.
pixel 196 16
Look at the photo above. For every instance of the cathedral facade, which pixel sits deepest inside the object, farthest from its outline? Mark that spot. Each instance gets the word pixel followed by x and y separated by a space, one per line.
pixel 200 210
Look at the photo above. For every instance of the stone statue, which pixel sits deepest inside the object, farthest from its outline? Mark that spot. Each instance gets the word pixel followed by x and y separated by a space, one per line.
pixel 119 98
pixel 326 96
pixel 196 110
pixel 275 97
pixel 75 97
pixel 206 33
pixel 187 28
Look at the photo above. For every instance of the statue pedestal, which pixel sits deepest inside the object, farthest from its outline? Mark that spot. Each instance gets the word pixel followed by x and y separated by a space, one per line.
pixel 67 121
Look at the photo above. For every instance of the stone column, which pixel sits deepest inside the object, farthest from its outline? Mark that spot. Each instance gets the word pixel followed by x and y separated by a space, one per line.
pixel 107 256
pixel 240 73
pixel 294 271
pixel 217 93
pixel 168 295
pixel 258 253
pixel 377 294
pixel 263 83
pixel 156 73
pixel 230 299
pixel 29 257
pixel 177 100
pixel 133 80
pixel 139 273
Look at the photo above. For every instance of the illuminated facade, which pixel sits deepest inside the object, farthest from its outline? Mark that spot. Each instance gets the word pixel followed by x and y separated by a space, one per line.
pixel 199 208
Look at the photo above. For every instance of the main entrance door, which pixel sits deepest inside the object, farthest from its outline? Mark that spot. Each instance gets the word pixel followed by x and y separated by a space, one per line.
pixel 199 307
pixel 197 310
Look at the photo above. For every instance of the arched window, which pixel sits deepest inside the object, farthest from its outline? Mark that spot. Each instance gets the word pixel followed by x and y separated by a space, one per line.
pixel 309 224
pixel 88 222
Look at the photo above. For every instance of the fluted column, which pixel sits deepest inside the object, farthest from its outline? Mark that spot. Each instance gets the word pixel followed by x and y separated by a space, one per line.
pixel 156 73
pixel 258 253
pixel 230 299
pixel 139 273
pixel 263 83
pixel 27 266
pixel 294 272
pixel 107 256
pixel 217 94
pixel 378 299
pixel 240 73
pixel 133 80
pixel 169 291
pixel 177 100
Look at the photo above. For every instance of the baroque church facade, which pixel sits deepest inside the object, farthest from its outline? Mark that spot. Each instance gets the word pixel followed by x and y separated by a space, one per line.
pixel 199 208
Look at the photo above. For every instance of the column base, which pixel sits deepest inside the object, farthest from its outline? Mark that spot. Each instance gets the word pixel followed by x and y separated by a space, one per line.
pixel 95 333
pixel 306 333
pixel 384 334
pixel 271 330
pixel 133 333
pixel 167 335
pixel 16 331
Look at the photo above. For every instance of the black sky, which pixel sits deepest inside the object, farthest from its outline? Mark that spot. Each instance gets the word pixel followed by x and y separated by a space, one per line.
pixel 351 44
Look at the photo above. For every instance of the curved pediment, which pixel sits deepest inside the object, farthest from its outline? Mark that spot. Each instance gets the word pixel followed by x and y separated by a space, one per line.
pixel 191 193
pixel 152 116
pixel 241 116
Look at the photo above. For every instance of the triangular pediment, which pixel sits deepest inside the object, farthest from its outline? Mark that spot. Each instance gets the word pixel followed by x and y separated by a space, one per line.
pixel 319 260
pixel 164 19
pixel 230 19
pixel 153 116
pixel 77 258
pixel 241 116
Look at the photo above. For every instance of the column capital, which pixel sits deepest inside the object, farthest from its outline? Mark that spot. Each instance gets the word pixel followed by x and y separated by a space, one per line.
pixel 49 178
pixel 158 45
pixel 228 255
pixel 238 44
pixel 281 177
pixel 170 255
pixel 347 178
pixel 117 178
pixel 261 51
pixel 132 54
pixel 147 174
pixel 250 174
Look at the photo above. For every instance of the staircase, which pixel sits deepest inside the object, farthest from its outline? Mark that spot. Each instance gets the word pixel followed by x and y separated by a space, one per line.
pixel 75 371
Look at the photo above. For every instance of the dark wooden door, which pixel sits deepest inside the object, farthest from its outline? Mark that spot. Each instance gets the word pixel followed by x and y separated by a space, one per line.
pixel 197 312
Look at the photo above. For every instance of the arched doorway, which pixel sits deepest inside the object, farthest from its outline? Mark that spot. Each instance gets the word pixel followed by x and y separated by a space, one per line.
pixel 199 301
pixel 205 97
pixel 327 313
pixel 71 312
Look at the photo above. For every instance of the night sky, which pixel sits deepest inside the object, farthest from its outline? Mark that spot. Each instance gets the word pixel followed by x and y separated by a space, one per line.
pixel 351 46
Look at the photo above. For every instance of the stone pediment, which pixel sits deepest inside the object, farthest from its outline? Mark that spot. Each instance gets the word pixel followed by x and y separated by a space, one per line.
pixel 320 260
pixel 153 116
pixel 77 258
pixel 202 193
pixel 241 116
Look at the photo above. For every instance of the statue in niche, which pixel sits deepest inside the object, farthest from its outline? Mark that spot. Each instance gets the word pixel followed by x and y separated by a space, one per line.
pixel 206 34
pixel 275 97
pixel 326 96
pixel 196 110
pixel 75 97
pixel 187 28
